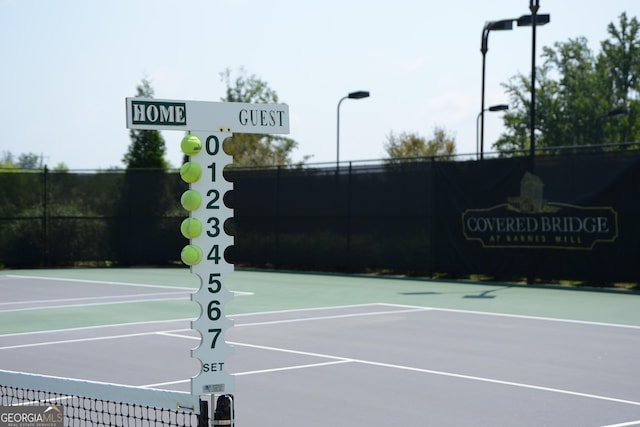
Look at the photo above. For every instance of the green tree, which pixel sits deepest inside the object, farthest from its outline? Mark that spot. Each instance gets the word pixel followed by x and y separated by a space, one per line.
pixel 29 161
pixel 255 149
pixel 147 148
pixel 7 161
pixel 576 93
pixel 23 161
pixel 412 145
pixel 621 55
pixel 569 110
pixel 142 227
pixel 61 167
pixel 620 62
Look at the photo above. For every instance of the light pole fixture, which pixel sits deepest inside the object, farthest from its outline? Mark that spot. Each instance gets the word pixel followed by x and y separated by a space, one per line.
pixel 353 95
pixel 533 21
pixel 504 24
pixel 618 112
pixel 499 107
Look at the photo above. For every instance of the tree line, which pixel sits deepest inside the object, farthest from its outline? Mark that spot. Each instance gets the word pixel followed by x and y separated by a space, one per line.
pixel 582 98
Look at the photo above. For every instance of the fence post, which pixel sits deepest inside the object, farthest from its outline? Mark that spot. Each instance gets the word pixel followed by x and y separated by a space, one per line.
pixel 277 218
pixel 203 417
pixel 349 261
pixel 432 226
pixel 45 234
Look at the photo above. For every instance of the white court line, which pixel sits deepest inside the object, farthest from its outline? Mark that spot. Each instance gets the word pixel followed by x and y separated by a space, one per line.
pixel 335 316
pixel 83 328
pixel 65 306
pixel 53 331
pixel 100 282
pixel 76 340
pixel 444 373
pixel 501 382
pixel 290 368
pixel 174 335
pixel 171 296
pixel 296 310
pixel 520 316
pixel 166 383
pixel 92 298
pixel 69 300
pixel 286 350
pixel 169 333
pixel 262 371
pixel 630 423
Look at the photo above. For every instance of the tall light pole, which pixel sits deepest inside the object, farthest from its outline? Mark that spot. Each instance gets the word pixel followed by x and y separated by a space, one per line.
pixel 505 24
pixel 353 95
pixel 533 20
pixel 499 107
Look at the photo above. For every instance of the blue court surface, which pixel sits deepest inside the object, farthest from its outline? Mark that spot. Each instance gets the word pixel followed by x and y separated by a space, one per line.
pixel 318 350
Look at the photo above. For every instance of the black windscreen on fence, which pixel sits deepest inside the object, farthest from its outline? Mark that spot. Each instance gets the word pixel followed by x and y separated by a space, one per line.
pixel 361 218
pixel 569 217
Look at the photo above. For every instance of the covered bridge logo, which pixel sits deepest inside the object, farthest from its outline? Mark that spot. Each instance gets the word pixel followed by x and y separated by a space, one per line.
pixel 530 221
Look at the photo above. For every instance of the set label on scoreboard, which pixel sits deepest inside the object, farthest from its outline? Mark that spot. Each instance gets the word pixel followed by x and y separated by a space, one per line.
pixel 207 125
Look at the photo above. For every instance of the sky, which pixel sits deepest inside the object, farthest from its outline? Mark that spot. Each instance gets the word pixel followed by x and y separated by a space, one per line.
pixel 68 65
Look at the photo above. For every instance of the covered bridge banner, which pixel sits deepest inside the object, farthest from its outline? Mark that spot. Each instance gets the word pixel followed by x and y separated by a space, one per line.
pixel 570 217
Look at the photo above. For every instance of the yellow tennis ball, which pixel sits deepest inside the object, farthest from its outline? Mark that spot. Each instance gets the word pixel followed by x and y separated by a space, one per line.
pixel 191 200
pixel 191 145
pixel 191 228
pixel 190 172
pixel 191 254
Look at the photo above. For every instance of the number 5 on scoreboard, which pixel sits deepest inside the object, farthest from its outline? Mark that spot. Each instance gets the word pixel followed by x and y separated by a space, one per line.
pixel 216 334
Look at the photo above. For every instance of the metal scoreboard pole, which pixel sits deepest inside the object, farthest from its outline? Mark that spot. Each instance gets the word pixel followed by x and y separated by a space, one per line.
pixel 211 123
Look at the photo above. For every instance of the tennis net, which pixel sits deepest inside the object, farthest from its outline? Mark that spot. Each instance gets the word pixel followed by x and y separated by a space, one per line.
pixel 87 403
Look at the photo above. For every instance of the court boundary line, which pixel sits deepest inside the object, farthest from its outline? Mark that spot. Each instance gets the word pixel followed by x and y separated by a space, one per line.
pixel 626 424
pixel 293 367
pixel 66 306
pixel 111 325
pixel 190 319
pixel 427 308
pixel 417 308
pixel 102 282
pixel 335 316
pixel 169 332
pixel 88 339
pixel 107 282
pixel 522 316
pixel 305 309
pixel 439 373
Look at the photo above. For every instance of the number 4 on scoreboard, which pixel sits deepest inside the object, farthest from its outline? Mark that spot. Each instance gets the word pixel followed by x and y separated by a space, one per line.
pixel 214 254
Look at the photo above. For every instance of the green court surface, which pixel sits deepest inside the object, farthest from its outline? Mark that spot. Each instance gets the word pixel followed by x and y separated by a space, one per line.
pixel 265 291
pixel 341 349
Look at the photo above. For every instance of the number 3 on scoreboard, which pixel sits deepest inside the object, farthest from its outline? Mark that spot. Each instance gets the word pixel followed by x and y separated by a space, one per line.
pixel 216 334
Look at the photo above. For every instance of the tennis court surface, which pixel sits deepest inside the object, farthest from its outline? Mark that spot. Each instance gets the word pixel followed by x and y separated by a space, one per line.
pixel 315 350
